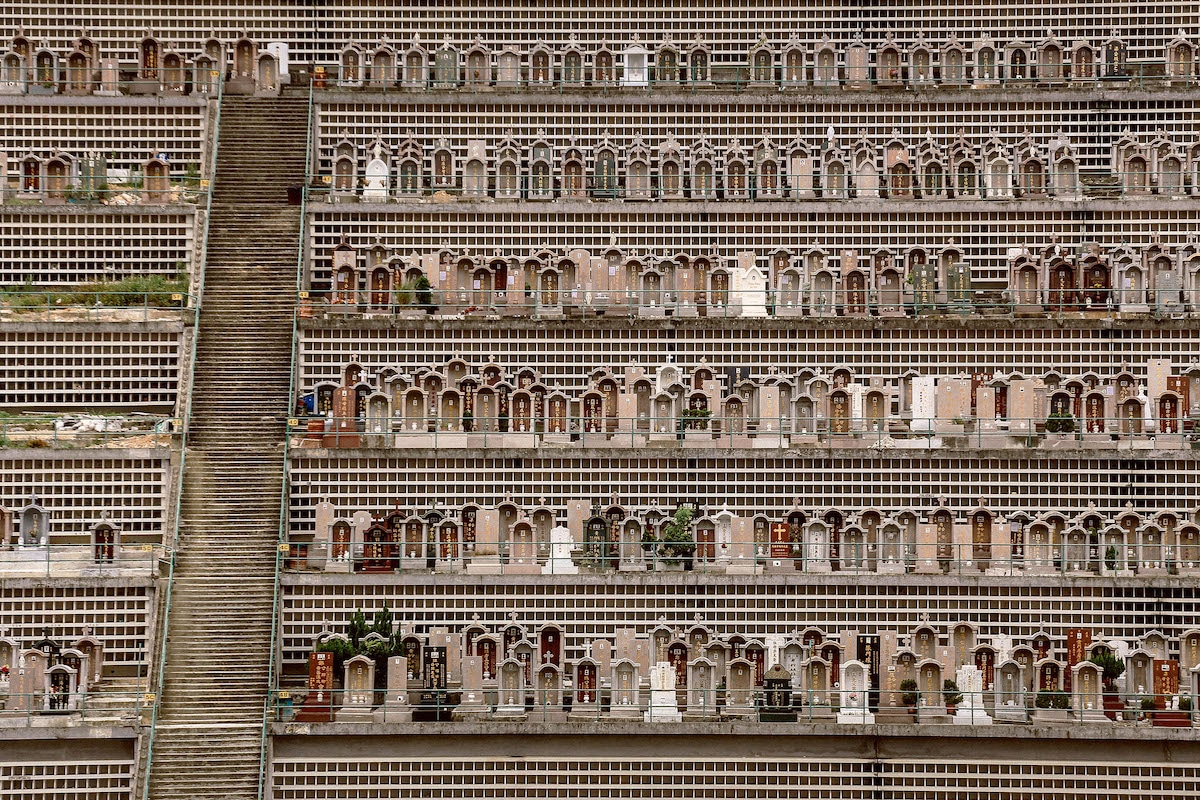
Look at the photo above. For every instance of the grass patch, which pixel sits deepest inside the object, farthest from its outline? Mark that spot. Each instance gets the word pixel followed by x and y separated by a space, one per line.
pixel 136 290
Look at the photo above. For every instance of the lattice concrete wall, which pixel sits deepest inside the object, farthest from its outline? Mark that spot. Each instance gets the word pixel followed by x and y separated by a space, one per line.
pixel 90 366
pixel 320 31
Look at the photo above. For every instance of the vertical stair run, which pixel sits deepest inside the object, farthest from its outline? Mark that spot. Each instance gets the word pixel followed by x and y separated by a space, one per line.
pixel 209 732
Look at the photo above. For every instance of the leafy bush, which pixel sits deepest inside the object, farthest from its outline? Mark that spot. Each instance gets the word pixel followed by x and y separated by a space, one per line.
pixel 950 692
pixel 908 687
pixel 136 290
pixel 1050 699
pixel 1148 704
pixel 1060 422
pixel 677 541
pixel 1185 703
pixel 1110 557
pixel 1112 666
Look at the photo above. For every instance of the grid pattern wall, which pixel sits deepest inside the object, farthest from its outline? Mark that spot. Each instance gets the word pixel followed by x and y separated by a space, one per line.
pixel 95 780
pixel 573 778
pixel 52 246
pixel 594 607
pixel 747 485
pixel 1093 127
pixel 119 612
pixel 983 230
pixel 317 31
pixel 690 777
pixel 75 488
pixel 565 354
pixel 126 131
pixel 79 366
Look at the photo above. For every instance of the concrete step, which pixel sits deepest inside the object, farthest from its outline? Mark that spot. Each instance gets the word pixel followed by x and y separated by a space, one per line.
pixel 216 673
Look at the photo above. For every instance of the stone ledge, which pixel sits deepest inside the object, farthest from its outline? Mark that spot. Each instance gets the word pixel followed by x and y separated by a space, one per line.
pixel 150 209
pixel 151 326
pixel 622 727
pixel 71 728
pixel 754 95
pixel 877 206
pixel 971 325
pixel 811 454
pixel 691 577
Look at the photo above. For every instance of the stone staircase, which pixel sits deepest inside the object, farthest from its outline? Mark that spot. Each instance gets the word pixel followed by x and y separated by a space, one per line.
pixel 208 739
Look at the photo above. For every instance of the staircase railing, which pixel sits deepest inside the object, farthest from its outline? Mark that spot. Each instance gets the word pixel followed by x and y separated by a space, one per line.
pixel 268 701
pixel 177 513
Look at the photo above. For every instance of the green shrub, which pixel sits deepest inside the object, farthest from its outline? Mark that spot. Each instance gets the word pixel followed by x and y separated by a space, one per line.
pixel 1112 666
pixel 677 541
pixel 950 692
pixel 1050 699
pixel 1060 422
pixel 1148 704
pixel 909 695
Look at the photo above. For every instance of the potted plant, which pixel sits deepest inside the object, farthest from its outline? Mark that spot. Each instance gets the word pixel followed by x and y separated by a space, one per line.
pixel 1112 668
pixel 677 544
pixel 1052 706
pixel 1110 558
pixel 649 540
pixel 908 694
pixel 951 694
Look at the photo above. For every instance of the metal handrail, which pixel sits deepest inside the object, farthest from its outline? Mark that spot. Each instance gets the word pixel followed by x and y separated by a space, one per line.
pixel 930 700
pixel 809 76
pixel 752 185
pixel 1098 554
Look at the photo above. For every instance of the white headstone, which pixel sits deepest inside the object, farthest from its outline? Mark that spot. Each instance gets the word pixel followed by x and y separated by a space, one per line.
pixel 970 709
pixel 561 544
pixel 924 403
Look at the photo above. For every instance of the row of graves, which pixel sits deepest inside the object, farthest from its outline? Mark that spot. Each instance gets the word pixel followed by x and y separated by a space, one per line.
pixel 640 170
pixel 30 67
pixel 47 677
pixel 60 177
pixel 517 539
pixel 29 541
pixel 464 405
pixel 768 63
pixel 817 283
pixel 693 673
pixel 1155 278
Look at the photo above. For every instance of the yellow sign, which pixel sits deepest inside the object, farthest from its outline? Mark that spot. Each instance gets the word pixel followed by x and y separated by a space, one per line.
pixel 326 179
pixel 285 695
pixel 149 697
pixel 293 422
pixel 175 298
pixel 283 548
pixel 204 183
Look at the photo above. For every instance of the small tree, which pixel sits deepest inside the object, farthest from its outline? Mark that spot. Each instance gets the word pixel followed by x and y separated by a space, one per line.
pixel 677 542
pixel 383 623
pixel 908 687
pixel 424 294
pixel 1112 667
pixel 357 629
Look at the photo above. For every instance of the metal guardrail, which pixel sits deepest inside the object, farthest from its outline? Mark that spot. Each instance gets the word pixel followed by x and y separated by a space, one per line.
pixel 1097 554
pixel 737 76
pixel 536 428
pixel 36 709
pixel 93 304
pixel 757 703
pixel 763 302
pixel 112 433
pixel 95 559
pixel 752 184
